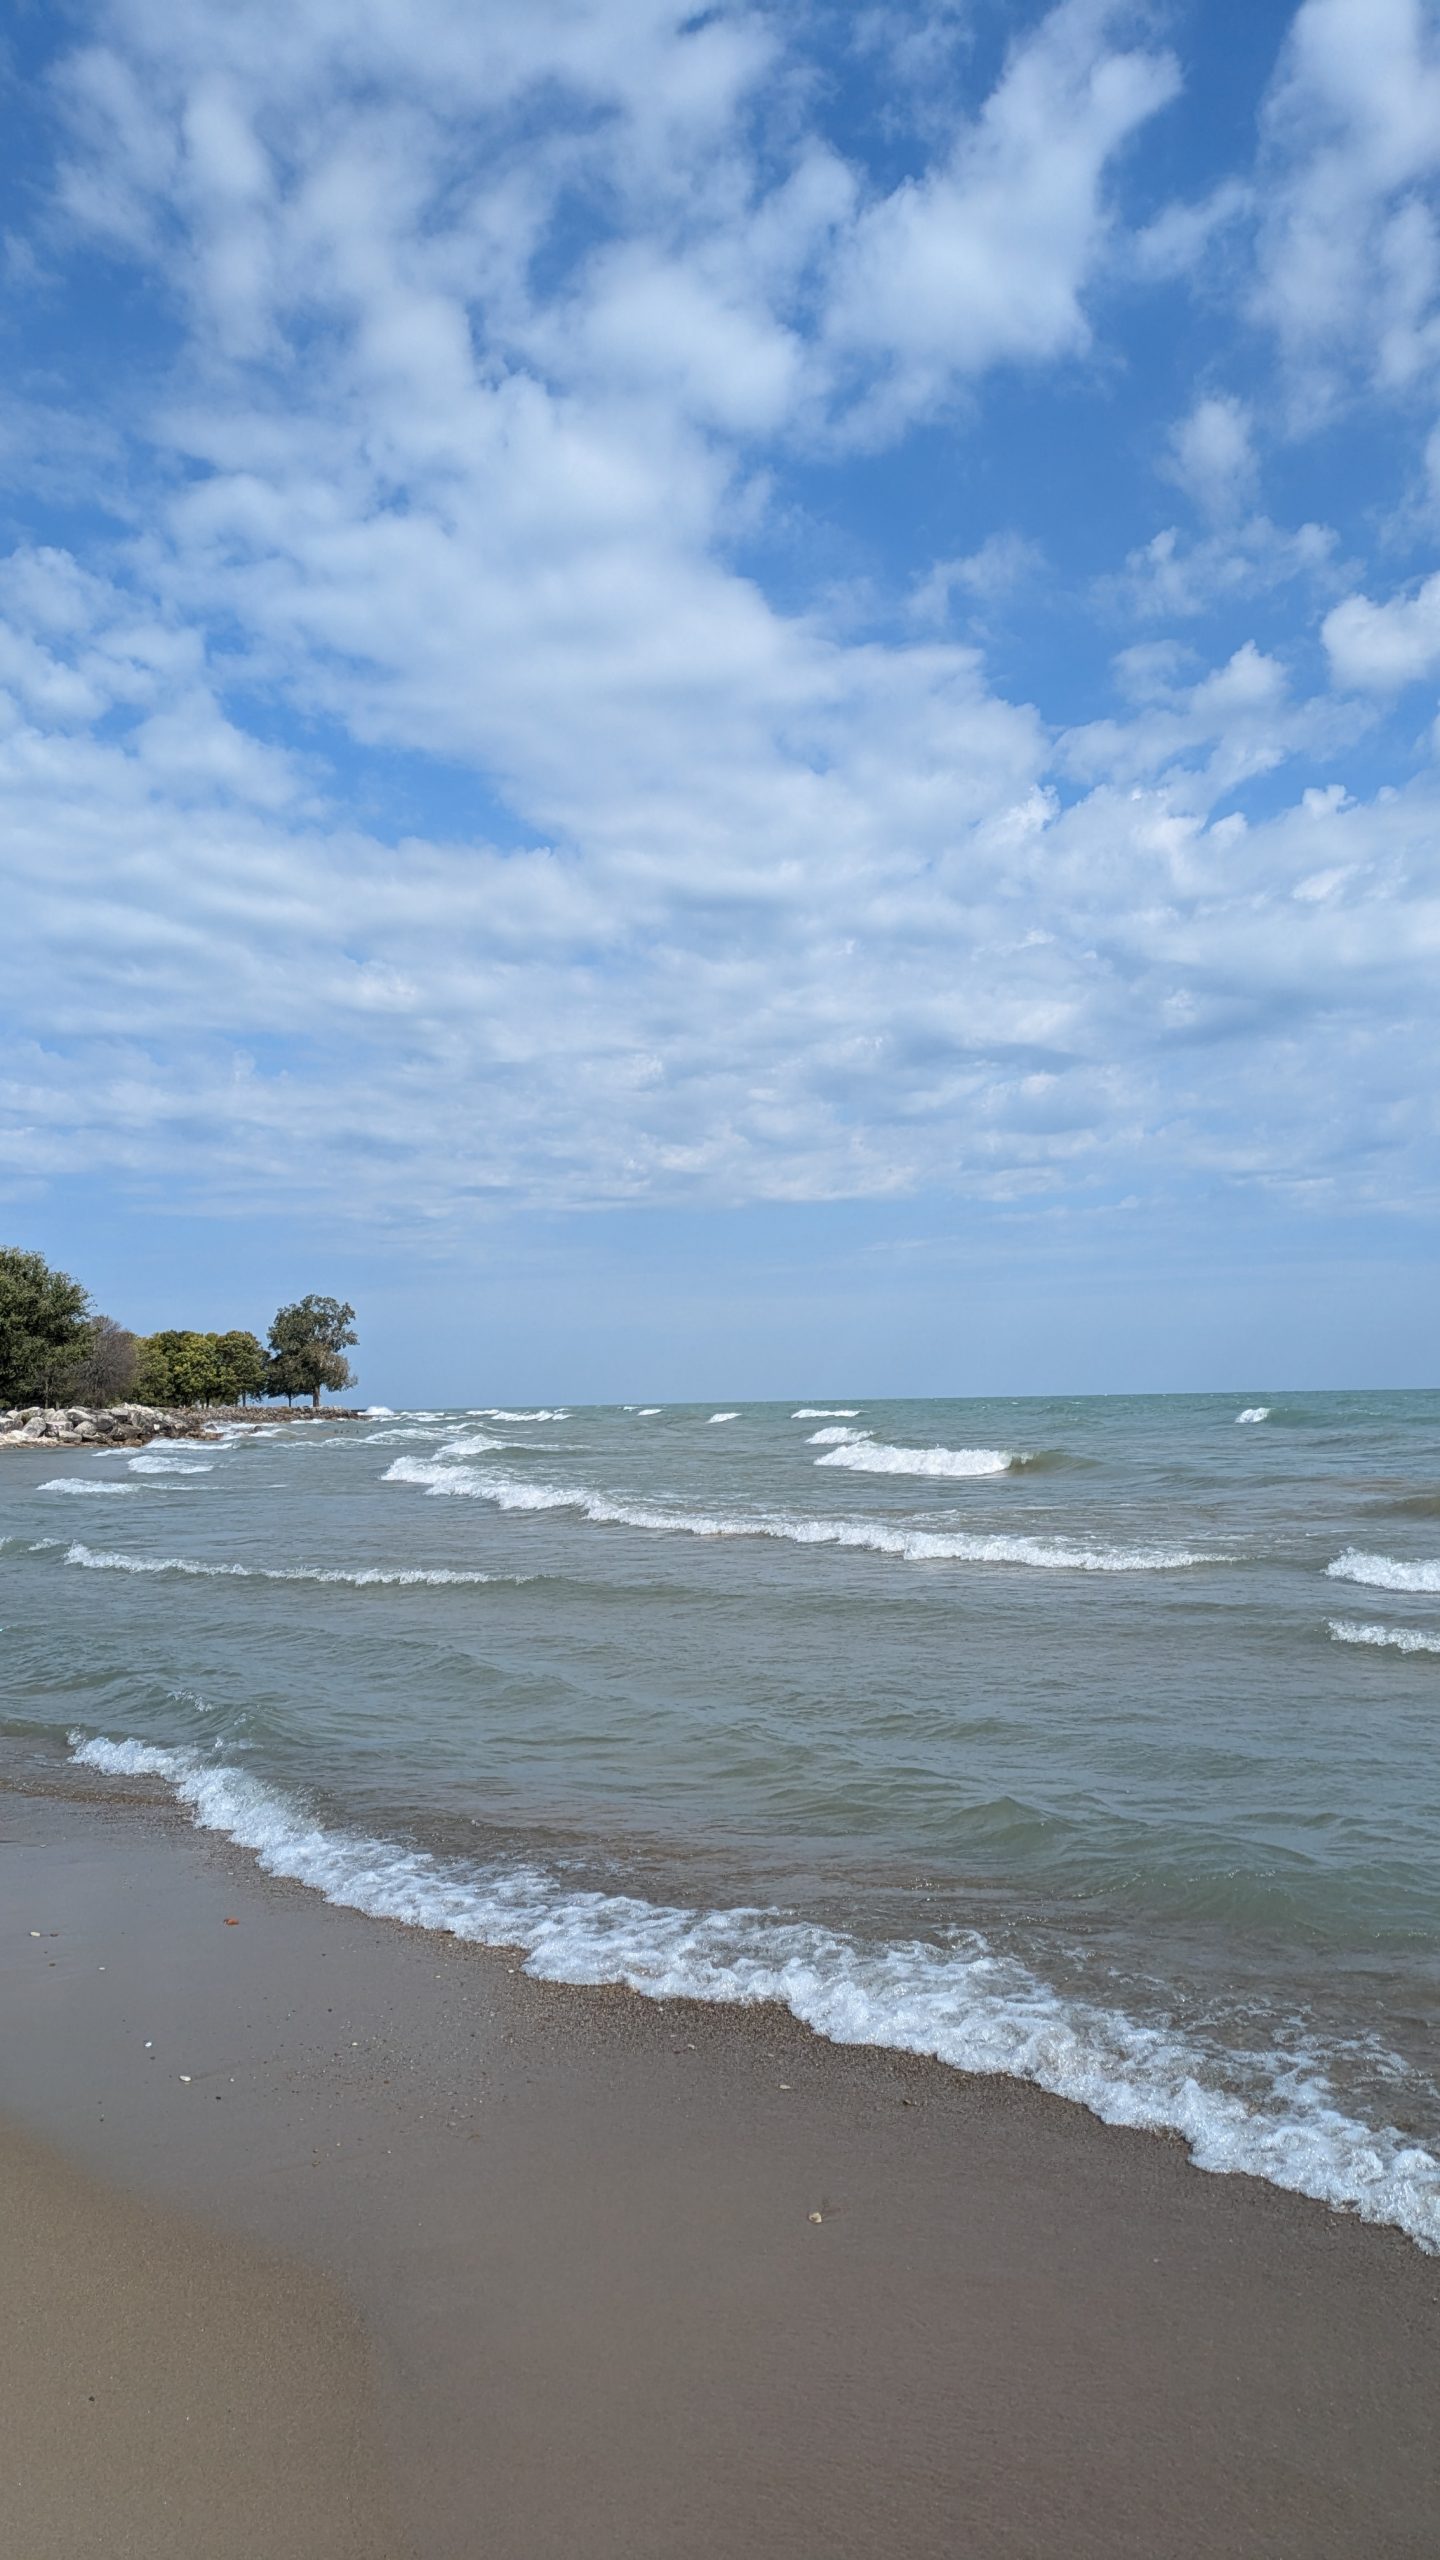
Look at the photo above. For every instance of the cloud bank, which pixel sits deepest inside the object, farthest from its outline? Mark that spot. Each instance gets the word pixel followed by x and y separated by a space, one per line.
pixel 548 655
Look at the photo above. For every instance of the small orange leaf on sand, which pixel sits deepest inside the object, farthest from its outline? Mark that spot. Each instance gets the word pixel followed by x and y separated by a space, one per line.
pixel 232 1924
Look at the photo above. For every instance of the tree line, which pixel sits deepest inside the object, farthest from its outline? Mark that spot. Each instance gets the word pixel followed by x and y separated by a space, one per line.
pixel 55 1348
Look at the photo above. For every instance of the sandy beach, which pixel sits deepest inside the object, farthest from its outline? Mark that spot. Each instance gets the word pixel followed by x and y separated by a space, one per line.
pixel 364 2242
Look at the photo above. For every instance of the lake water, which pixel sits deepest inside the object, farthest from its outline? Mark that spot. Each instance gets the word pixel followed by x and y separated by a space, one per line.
pixel 1093 1741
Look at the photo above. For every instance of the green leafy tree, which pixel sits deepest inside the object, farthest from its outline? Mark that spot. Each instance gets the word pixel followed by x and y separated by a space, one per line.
pixel 107 1366
pixel 240 1359
pixel 308 1343
pixel 180 1368
pixel 152 1370
pixel 44 1325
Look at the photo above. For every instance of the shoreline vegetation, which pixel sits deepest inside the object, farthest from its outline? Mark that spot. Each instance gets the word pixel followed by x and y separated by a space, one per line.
pixel 56 1348
pixel 637 2278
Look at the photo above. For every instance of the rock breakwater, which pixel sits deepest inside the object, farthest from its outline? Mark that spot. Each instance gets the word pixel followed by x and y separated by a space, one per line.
pixel 130 1426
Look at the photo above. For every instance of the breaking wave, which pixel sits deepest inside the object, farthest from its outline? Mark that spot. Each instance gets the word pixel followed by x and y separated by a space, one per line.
pixel 962 2001
pixel 1254 1413
pixel 878 1458
pixel 1386 1573
pixel 162 1462
pixel 85 1484
pixel 101 1560
pixel 503 1413
pixel 1398 1639
pixel 917 1546
pixel 825 1413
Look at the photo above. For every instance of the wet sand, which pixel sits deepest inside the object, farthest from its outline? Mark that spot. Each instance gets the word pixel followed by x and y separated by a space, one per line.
pixel 574 2232
pixel 168 2392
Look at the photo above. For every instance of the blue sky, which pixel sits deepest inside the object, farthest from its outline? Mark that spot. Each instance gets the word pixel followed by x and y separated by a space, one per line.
pixel 728 701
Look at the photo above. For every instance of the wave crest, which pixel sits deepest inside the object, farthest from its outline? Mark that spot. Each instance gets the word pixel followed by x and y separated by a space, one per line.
pixel 101 1560
pixel 962 2002
pixel 1398 1639
pixel 916 1546
pixel 879 1458
pixel 1386 1573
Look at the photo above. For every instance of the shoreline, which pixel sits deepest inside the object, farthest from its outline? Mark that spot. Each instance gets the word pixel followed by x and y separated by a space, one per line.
pixel 577 2226
pixel 136 1426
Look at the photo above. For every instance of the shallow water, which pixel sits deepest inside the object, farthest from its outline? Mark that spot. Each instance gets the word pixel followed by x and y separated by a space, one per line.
pixel 1094 1740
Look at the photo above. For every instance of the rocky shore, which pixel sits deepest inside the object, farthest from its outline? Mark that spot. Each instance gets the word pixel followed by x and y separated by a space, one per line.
pixel 132 1426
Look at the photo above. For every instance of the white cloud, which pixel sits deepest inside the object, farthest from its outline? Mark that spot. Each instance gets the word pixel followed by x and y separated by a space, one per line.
pixel 1380 647
pixel 487 323
pixel 1349 269
pixel 986 259
pixel 1182 236
pixel 1212 457
pixel 1169 577
pixel 1003 563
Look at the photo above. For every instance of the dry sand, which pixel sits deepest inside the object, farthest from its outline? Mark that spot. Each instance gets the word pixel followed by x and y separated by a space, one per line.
pixel 577 2228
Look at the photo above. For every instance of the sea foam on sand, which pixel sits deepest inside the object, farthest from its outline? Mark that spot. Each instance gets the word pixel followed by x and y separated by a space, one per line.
pixel 963 2002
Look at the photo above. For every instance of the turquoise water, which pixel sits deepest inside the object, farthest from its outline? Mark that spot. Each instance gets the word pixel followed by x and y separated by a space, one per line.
pixel 1093 1740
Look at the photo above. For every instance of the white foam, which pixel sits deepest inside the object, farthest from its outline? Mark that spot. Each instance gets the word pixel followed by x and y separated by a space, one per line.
pixel 503 1413
pixel 643 1409
pixel 379 1412
pixel 961 2002
pixel 1399 1639
pixel 84 1484
pixel 836 1435
pixel 104 1561
pixel 161 1462
pixel 724 1417
pixel 877 1458
pixel 1254 1413
pixel 1386 1573
pixel 917 1546
pixel 825 1413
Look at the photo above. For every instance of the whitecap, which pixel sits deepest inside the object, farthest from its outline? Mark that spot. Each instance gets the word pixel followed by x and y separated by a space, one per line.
pixel 1254 1413
pixel 378 1412
pixel 161 1462
pixel 825 1413
pixel 836 1435
pixel 916 1546
pixel 962 2002
pixel 877 1458
pixel 99 1560
pixel 504 1413
pixel 84 1484
pixel 1386 1573
pixel 724 1417
pixel 1398 1639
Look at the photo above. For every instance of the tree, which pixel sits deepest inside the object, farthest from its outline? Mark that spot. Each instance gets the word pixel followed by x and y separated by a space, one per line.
pixel 240 1359
pixel 107 1366
pixel 308 1343
pixel 180 1368
pixel 43 1327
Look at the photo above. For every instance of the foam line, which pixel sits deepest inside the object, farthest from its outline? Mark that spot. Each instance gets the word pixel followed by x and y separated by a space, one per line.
pixel 1398 1639
pixel 916 1546
pixel 963 2003
pixel 101 1560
